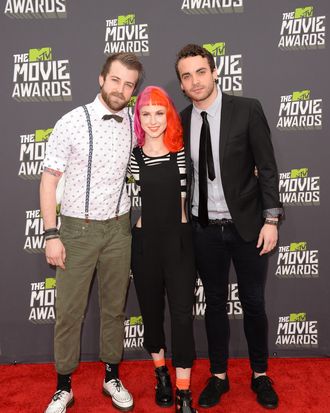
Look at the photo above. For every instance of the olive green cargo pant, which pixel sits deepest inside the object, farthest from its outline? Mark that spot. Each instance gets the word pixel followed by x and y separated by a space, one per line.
pixel 106 247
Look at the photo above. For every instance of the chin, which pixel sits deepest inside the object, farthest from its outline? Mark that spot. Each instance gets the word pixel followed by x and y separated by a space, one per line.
pixel 117 106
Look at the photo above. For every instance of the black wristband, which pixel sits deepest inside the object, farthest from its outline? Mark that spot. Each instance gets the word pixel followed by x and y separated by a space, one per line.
pixel 51 236
pixel 51 231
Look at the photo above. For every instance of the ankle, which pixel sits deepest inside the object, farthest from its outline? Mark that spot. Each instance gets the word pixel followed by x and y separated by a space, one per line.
pixel 221 376
pixel 111 372
pixel 64 382
pixel 159 363
pixel 182 384
pixel 256 375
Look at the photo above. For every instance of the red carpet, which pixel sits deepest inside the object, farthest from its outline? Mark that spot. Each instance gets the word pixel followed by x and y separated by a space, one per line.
pixel 302 384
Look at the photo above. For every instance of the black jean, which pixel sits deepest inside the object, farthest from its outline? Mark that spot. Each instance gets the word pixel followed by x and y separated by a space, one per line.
pixel 215 247
pixel 164 263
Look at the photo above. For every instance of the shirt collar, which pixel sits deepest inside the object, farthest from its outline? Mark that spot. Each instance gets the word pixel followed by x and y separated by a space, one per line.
pixel 101 110
pixel 213 109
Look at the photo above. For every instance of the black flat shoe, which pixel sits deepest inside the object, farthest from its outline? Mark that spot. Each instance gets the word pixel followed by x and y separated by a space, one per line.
pixel 164 395
pixel 183 402
pixel 213 391
pixel 266 395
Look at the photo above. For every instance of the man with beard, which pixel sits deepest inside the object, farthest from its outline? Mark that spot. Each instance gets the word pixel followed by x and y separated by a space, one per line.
pixel 92 146
pixel 234 213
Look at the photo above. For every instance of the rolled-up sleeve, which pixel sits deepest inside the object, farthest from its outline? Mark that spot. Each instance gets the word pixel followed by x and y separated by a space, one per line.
pixel 58 147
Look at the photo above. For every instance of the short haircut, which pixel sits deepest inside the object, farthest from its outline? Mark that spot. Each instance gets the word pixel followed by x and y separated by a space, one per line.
pixel 191 50
pixel 154 95
pixel 129 60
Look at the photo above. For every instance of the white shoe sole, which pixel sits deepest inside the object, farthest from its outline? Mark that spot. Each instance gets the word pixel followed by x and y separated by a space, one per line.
pixel 70 404
pixel 117 406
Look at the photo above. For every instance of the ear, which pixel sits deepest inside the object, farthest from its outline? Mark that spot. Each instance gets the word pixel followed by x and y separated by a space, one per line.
pixel 101 80
pixel 215 73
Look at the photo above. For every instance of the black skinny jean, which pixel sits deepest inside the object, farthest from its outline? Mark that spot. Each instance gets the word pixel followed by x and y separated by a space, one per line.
pixel 215 247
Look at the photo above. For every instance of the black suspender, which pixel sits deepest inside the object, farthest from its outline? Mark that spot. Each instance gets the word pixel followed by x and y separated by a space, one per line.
pixel 90 160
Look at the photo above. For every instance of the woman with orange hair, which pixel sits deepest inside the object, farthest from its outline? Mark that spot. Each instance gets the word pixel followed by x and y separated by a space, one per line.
pixel 162 249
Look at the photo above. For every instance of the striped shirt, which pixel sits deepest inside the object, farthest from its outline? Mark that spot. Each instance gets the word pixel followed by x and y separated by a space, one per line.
pixel 134 169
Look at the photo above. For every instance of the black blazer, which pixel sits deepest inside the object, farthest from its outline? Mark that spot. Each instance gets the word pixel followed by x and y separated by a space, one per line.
pixel 244 143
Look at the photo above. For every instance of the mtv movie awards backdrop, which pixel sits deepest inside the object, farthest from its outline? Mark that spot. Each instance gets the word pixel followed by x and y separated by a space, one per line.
pixel 278 52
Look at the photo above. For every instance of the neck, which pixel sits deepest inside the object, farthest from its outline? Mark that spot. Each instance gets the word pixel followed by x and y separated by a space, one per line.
pixel 154 146
pixel 206 103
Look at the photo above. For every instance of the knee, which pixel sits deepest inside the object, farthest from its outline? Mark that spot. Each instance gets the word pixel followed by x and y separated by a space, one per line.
pixel 216 302
pixel 68 316
pixel 183 320
pixel 253 306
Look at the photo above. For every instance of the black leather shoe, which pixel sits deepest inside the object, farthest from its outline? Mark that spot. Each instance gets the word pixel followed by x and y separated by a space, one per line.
pixel 164 396
pixel 183 402
pixel 266 395
pixel 213 391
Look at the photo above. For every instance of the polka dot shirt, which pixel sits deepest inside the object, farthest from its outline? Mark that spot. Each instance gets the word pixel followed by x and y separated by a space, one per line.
pixel 68 149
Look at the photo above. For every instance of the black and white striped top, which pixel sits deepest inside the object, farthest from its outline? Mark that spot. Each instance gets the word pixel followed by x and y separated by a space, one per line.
pixel 134 169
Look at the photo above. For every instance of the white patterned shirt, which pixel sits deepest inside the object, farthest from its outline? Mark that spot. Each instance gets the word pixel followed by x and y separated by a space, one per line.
pixel 68 149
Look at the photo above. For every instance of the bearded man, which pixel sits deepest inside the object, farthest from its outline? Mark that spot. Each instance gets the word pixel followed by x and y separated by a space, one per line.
pixel 92 146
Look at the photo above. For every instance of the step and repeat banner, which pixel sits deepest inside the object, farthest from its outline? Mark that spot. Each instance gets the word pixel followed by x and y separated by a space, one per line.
pixel 276 51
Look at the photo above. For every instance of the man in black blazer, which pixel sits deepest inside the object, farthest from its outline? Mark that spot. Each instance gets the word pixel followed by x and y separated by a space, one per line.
pixel 234 206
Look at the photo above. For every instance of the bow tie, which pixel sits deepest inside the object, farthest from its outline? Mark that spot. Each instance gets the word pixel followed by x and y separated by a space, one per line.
pixel 115 117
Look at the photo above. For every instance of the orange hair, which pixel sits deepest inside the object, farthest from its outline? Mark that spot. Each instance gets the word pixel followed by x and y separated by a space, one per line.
pixel 154 95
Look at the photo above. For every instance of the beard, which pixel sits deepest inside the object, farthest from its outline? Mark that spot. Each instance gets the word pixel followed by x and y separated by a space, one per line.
pixel 114 100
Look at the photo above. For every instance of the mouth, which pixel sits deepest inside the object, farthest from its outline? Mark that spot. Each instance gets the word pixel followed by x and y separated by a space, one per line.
pixel 197 90
pixel 118 96
pixel 154 128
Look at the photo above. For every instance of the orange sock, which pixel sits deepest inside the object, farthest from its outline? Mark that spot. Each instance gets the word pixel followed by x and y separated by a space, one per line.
pixel 159 363
pixel 182 384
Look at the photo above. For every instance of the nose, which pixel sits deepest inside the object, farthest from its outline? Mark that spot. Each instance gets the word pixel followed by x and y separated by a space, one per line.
pixel 120 87
pixel 153 119
pixel 194 79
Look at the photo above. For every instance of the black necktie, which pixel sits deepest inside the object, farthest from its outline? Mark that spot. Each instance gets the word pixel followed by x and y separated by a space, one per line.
pixel 206 168
pixel 115 117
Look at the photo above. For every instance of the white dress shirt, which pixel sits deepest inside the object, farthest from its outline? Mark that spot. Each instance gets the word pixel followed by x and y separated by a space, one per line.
pixel 67 152
pixel 217 205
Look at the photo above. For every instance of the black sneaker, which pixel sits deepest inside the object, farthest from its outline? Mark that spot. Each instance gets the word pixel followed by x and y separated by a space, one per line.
pixel 266 395
pixel 183 402
pixel 164 396
pixel 213 391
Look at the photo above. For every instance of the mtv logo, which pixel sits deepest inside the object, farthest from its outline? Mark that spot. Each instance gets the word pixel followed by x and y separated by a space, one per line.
pixel 135 320
pixel 301 12
pixel 131 180
pixel 50 283
pixel 123 20
pixel 301 95
pixel 37 55
pixel 299 173
pixel 298 317
pixel 132 101
pixel 42 134
pixel 216 49
pixel 298 246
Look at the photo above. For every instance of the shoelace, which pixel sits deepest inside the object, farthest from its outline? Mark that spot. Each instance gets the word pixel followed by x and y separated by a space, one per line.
pixel 265 382
pixel 117 384
pixel 58 395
